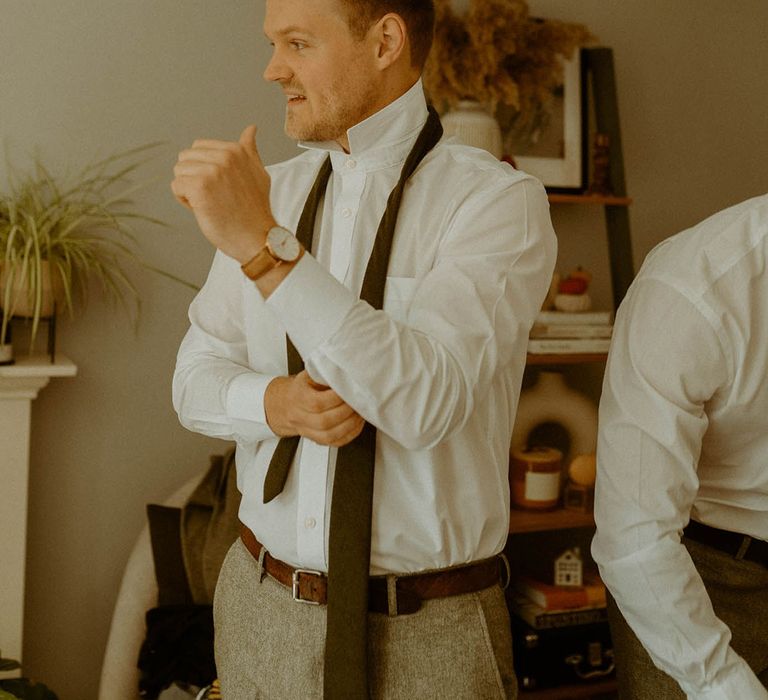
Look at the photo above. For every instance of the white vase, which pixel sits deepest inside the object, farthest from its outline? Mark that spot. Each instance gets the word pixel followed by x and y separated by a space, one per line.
pixel 470 122
pixel 551 400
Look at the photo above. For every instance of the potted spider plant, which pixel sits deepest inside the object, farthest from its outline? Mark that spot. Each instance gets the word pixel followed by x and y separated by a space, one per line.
pixel 58 236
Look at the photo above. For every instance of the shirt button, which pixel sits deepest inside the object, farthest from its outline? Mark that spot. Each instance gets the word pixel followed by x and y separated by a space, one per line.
pixel 351 164
pixel 346 212
pixel 310 523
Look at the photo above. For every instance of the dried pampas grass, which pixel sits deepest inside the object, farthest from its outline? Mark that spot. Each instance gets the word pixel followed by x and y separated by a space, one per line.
pixel 498 54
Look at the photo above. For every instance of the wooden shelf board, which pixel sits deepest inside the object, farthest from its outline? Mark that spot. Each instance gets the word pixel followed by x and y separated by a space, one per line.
pixel 599 199
pixel 565 358
pixel 538 521
pixel 571 692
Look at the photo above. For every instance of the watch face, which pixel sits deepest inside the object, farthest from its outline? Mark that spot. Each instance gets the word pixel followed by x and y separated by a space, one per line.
pixel 283 244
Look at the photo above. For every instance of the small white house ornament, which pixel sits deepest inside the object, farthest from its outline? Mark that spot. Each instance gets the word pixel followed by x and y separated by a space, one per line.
pixel 569 568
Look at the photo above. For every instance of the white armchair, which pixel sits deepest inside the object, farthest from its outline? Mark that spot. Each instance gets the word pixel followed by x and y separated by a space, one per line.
pixel 138 593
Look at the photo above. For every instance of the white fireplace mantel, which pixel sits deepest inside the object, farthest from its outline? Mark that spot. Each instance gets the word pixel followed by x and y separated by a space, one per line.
pixel 19 386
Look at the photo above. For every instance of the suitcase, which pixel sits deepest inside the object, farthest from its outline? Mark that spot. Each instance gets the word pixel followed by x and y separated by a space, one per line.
pixel 561 655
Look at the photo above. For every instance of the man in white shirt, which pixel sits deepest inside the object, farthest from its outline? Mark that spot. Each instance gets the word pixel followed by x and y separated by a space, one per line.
pixel 437 372
pixel 682 449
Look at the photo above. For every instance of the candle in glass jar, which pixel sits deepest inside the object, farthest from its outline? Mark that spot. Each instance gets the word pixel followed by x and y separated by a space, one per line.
pixel 535 477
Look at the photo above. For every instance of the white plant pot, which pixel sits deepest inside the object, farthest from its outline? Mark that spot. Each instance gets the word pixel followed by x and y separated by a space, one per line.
pixel 470 122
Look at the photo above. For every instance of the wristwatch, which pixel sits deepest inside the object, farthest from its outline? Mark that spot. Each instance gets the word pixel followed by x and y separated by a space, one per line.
pixel 282 246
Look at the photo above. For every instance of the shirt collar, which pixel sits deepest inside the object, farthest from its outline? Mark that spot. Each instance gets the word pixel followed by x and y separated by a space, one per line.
pixel 383 138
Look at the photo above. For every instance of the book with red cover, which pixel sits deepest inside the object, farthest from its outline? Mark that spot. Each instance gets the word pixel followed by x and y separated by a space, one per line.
pixel 550 597
pixel 541 618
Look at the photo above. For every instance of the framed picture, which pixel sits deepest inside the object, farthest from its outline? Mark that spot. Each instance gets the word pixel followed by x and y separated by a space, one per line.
pixel 552 146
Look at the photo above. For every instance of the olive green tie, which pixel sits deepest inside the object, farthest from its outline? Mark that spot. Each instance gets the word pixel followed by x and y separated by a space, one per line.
pixel 349 539
pixel 277 473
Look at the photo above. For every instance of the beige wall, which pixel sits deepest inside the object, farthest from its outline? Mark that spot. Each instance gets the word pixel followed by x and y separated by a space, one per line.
pixel 85 77
pixel 80 79
pixel 691 77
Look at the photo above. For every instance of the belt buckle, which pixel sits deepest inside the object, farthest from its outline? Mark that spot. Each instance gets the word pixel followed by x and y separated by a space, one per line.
pixel 295 585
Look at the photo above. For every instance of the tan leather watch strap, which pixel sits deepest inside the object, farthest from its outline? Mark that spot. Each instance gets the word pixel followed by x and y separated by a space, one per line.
pixel 260 264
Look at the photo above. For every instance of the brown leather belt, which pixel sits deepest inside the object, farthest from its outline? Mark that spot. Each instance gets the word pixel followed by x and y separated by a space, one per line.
pixel 736 544
pixel 311 586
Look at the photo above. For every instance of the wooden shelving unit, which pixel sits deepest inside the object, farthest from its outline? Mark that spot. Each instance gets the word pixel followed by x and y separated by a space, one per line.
pixel 598 63
pixel 521 521
pixel 599 199
pixel 566 358
pixel 572 692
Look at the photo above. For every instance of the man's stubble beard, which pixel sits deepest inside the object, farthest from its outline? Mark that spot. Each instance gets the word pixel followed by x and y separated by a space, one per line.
pixel 330 119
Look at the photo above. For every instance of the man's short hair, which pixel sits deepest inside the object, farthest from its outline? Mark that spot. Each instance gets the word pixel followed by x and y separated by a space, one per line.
pixel 419 16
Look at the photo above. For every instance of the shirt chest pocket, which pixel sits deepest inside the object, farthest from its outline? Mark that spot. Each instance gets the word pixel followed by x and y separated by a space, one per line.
pixel 398 294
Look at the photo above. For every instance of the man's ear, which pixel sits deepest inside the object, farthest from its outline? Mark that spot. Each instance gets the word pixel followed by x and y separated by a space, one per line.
pixel 391 37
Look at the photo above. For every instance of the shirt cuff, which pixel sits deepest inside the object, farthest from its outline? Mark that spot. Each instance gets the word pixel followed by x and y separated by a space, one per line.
pixel 740 683
pixel 311 304
pixel 245 397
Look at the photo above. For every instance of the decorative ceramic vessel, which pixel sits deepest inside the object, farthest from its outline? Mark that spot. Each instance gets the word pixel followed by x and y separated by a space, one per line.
pixel 470 122
pixel 551 400
pixel 571 303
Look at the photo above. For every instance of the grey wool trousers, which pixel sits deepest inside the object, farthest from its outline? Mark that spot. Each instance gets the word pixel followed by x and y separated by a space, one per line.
pixel 739 594
pixel 270 647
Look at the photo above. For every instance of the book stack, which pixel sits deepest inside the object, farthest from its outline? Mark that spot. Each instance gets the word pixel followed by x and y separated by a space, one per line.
pixel 563 332
pixel 545 606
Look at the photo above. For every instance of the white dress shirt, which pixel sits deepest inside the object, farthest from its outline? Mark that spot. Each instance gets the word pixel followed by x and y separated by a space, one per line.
pixel 438 371
pixel 684 432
